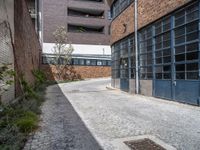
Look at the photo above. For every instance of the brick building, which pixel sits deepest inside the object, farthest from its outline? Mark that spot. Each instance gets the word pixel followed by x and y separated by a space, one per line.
pixel 87 24
pixel 168 60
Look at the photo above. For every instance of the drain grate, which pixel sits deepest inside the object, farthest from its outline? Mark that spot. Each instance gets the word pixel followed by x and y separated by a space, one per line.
pixel 143 144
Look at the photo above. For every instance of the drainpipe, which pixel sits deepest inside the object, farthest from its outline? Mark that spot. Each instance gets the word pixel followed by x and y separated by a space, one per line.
pixel 136 47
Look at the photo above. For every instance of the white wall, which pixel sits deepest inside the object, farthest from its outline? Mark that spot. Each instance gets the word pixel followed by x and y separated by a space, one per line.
pixel 82 49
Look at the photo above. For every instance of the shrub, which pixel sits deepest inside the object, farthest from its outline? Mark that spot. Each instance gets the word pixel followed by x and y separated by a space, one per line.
pixel 27 88
pixel 40 77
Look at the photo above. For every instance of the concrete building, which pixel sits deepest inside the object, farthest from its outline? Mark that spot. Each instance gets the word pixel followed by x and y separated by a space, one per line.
pixel 168 48
pixel 19 44
pixel 87 24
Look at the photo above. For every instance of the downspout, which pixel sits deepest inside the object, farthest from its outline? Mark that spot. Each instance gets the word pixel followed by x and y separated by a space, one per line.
pixel 136 47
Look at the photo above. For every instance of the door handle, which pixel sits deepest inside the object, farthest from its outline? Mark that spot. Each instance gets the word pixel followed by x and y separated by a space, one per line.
pixel 174 83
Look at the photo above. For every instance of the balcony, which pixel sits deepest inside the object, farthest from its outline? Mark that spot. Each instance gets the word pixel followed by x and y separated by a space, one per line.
pixel 86 29
pixel 87 13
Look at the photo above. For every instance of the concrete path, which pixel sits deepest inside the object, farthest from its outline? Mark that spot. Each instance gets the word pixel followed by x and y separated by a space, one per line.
pixel 87 116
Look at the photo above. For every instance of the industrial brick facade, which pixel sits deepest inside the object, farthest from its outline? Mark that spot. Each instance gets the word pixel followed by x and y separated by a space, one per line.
pixel 148 12
pixel 166 52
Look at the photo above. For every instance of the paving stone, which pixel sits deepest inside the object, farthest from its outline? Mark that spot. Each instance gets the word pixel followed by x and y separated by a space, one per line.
pixel 93 117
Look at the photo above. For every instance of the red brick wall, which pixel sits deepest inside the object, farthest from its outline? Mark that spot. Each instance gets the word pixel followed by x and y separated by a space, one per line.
pixel 78 72
pixel 26 44
pixel 148 11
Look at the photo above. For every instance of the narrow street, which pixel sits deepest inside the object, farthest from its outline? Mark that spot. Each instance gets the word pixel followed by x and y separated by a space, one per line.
pixel 86 115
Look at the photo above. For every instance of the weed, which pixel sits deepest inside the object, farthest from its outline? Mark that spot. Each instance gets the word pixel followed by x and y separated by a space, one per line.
pixel 40 77
pixel 28 122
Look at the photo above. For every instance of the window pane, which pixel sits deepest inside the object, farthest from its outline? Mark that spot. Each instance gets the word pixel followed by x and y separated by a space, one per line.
pixel 192 56
pixel 180 21
pixel 192 27
pixel 192 75
pixel 180 57
pixel 81 62
pixel 99 62
pixel 166 27
pixel 180 67
pixel 192 16
pixel 167 68
pixel 158 60
pixel 159 54
pixel 167 59
pixel 87 62
pixel 180 75
pixel 166 36
pixel 149 75
pixel 179 31
pixel 192 36
pixel 104 63
pixel 166 43
pixel 192 66
pixel 193 47
pixel 158 28
pixel 159 69
pixel 180 49
pixel 158 75
pixel 167 75
pixel 76 62
pixel 109 63
pixel 180 40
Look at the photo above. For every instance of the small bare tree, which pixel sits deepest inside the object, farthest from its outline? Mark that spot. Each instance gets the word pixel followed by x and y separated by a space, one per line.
pixel 62 50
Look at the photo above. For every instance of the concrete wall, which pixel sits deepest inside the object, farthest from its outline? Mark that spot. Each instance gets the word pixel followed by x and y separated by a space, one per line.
pixel 81 49
pixel 117 83
pixel 6 49
pixel 113 82
pixel 7 12
pixel 132 86
pixel 78 72
pixel 146 87
pixel 148 11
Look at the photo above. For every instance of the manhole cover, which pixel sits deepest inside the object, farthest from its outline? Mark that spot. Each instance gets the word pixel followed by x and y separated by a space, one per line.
pixel 143 144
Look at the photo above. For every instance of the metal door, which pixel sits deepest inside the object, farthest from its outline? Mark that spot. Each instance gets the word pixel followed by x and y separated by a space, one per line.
pixel 177 77
pixel 163 59
pixel 124 74
pixel 186 55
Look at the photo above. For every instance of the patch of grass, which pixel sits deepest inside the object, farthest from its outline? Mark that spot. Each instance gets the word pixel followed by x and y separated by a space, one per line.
pixel 28 122
pixel 18 120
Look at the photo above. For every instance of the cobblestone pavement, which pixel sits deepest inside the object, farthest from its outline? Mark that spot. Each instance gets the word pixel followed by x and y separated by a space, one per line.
pixel 60 127
pixel 87 116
